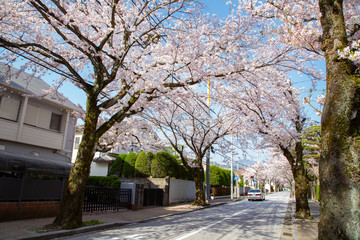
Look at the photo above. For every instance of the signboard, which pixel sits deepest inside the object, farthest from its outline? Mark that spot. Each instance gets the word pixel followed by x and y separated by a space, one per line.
pixel 254 181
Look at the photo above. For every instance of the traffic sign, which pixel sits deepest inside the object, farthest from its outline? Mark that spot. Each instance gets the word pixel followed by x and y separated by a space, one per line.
pixel 236 178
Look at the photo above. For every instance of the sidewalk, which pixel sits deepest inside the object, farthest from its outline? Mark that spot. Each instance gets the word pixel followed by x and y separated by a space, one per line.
pixel 20 229
pixel 305 229
pixel 301 229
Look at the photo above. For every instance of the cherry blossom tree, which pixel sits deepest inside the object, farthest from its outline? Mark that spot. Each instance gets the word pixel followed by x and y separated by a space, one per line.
pixel 260 174
pixel 251 78
pixel 122 54
pixel 328 28
pixel 272 108
pixel 275 170
pixel 191 130
pixel 279 170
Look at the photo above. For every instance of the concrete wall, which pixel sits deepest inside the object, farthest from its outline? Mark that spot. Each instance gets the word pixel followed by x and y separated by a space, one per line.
pixel 137 194
pixel 175 190
pixel 131 186
pixel 181 191
pixel 150 182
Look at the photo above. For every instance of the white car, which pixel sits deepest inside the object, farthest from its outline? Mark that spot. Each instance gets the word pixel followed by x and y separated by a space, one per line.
pixel 255 194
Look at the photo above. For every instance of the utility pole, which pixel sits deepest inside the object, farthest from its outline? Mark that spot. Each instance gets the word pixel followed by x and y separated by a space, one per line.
pixel 232 169
pixel 207 193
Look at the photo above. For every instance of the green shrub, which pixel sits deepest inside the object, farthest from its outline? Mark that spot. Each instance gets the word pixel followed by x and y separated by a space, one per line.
pixel 227 177
pixel 117 166
pixel 164 164
pixel 110 181
pixel 215 178
pixel 241 181
pixel 150 155
pixel 219 176
pixel 317 192
pixel 183 172
pixel 308 191
pixel 129 165
pixel 143 165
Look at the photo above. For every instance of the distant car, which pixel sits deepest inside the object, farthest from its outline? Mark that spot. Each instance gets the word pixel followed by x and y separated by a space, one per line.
pixel 255 194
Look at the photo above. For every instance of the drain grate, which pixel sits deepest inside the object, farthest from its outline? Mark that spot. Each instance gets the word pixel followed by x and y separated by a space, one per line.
pixel 287 234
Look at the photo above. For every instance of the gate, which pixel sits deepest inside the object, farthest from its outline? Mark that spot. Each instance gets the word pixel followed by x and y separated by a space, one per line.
pixel 103 199
pixel 153 197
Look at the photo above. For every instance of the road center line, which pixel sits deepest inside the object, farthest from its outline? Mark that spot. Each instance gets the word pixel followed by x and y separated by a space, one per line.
pixel 208 226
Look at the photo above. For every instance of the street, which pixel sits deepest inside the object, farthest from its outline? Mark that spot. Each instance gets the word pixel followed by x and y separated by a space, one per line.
pixel 238 220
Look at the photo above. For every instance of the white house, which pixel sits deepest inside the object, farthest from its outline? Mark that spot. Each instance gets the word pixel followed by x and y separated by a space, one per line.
pixel 34 132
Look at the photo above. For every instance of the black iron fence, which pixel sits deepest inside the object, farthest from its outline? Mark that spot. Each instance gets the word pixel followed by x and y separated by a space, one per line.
pixel 96 198
pixel 103 199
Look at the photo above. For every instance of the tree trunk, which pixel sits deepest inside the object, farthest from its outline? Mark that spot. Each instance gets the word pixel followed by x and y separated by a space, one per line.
pixel 199 188
pixel 339 161
pixel 70 215
pixel 300 178
pixel 199 183
pixel 301 198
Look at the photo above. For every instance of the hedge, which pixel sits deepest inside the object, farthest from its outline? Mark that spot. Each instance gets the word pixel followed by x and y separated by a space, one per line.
pixel 117 166
pixel 129 165
pixel 219 176
pixel 110 181
pixel 164 164
pixel 317 192
pixel 183 172
pixel 143 164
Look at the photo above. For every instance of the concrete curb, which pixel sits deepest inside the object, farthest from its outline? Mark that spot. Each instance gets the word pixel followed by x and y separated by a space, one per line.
pixel 294 227
pixel 70 232
pixel 287 228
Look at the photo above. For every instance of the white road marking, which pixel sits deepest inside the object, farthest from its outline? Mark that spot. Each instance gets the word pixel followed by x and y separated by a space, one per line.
pixel 206 227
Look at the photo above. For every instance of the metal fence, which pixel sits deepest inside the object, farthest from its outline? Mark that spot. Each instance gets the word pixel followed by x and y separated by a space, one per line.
pixel 96 198
pixel 103 199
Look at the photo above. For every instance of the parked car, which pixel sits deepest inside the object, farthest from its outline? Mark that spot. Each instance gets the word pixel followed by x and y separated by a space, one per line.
pixel 256 194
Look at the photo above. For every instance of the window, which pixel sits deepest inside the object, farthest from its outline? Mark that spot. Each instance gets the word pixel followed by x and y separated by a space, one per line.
pixel 42 118
pixel 77 142
pixel 9 108
pixel 31 115
pixel 55 122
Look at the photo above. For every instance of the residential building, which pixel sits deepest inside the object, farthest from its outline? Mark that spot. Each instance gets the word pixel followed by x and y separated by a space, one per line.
pixel 36 139
pixel 36 128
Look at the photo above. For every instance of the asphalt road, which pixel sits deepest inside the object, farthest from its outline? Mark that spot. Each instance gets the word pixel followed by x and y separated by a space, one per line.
pixel 238 220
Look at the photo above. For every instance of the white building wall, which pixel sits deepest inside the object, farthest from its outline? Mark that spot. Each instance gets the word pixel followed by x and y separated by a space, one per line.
pixel 39 137
pixel 181 191
pixel 8 130
pixel 99 169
